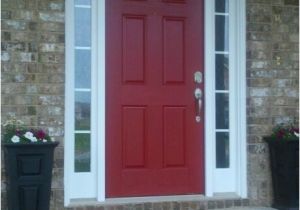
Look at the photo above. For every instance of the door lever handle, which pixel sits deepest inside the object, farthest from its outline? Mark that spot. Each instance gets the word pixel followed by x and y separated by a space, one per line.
pixel 198 116
pixel 198 97
pixel 198 93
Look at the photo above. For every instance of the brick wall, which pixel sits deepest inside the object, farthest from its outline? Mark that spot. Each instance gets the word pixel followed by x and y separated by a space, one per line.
pixel 33 72
pixel 33 78
pixel 272 79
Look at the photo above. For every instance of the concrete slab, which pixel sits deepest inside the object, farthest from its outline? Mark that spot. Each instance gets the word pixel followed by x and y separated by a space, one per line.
pixel 248 208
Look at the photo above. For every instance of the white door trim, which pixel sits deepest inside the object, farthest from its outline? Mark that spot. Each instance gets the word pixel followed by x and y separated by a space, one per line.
pixel 101 99
pixel 238 23
pixel 241 148
pixel 209 95
pixel 69 66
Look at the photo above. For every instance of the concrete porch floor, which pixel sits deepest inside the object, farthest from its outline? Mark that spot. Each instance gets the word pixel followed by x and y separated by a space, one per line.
pixel 248 208
pixel 179 202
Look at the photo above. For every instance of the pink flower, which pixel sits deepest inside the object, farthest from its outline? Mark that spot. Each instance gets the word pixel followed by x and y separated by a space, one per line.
pixel 280 133
pixel 18 132
pixel 40 134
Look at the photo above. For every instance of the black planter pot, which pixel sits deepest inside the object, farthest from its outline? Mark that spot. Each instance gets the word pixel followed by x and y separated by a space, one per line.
pixel 284 156
pixel 29 173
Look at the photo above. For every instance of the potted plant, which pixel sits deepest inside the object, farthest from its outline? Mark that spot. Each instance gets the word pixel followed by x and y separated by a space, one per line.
pixel 28 157
pixel 284 157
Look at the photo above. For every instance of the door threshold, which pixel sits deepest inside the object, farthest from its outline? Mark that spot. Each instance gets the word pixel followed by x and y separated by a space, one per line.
pixel 152 199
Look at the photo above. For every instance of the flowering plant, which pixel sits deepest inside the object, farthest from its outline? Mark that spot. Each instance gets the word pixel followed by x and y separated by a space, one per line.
pixel 14 132
pixel 283 132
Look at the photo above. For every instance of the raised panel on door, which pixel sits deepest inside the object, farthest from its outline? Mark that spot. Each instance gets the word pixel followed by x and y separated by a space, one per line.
pixel 173 50
pixel 133 49
pixel 174 137
pixel 133 136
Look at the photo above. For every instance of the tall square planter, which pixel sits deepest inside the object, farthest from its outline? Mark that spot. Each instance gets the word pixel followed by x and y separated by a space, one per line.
pixel 29 173
pixel 284 157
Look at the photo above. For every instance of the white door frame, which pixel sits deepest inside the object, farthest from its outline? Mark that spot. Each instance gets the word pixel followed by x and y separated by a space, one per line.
pixel 238 78
pixel 237 174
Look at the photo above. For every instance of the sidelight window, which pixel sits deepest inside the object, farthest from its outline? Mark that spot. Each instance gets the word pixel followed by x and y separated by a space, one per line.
pixel 225 90
pixel 81 103
pixel 82 84
pixel 222 92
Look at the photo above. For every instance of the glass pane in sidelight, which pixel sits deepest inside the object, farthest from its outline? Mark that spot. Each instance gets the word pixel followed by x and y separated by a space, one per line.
pixel 222 33
pixel 83 27
pixel 222 72
pixel 83 69
pixel 83 2
pixel 82 111
pixel 222 6
pixel 82 152
pixel 222 150
pixel 222 111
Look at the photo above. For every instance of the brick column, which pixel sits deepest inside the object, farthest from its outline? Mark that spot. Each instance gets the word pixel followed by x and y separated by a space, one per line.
pixel 272 79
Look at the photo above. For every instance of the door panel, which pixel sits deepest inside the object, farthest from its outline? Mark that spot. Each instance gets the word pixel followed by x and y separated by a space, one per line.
pixel 154 146
pixel 174 136
pixel 133 48
pixel 173 50
pixel 133 137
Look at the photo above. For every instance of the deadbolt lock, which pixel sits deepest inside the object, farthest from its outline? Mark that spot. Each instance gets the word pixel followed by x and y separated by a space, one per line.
pixel 198 77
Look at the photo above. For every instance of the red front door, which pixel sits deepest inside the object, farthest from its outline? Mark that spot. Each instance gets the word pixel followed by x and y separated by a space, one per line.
pixel 154 146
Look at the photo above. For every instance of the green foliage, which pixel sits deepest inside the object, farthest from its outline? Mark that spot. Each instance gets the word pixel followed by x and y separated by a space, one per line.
pixel 284 132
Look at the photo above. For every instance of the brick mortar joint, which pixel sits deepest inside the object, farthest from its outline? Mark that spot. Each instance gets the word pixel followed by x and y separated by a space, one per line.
pixel 270 5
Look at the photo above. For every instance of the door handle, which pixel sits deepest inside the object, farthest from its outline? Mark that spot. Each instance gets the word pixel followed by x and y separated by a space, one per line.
pixel 198 93
pixel 198 97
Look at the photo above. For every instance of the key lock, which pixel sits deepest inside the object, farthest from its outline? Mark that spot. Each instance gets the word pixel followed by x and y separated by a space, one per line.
pixel 198 95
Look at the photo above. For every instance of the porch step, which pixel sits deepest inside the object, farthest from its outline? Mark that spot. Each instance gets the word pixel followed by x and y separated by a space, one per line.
pixel 192 205
pixel 190 202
